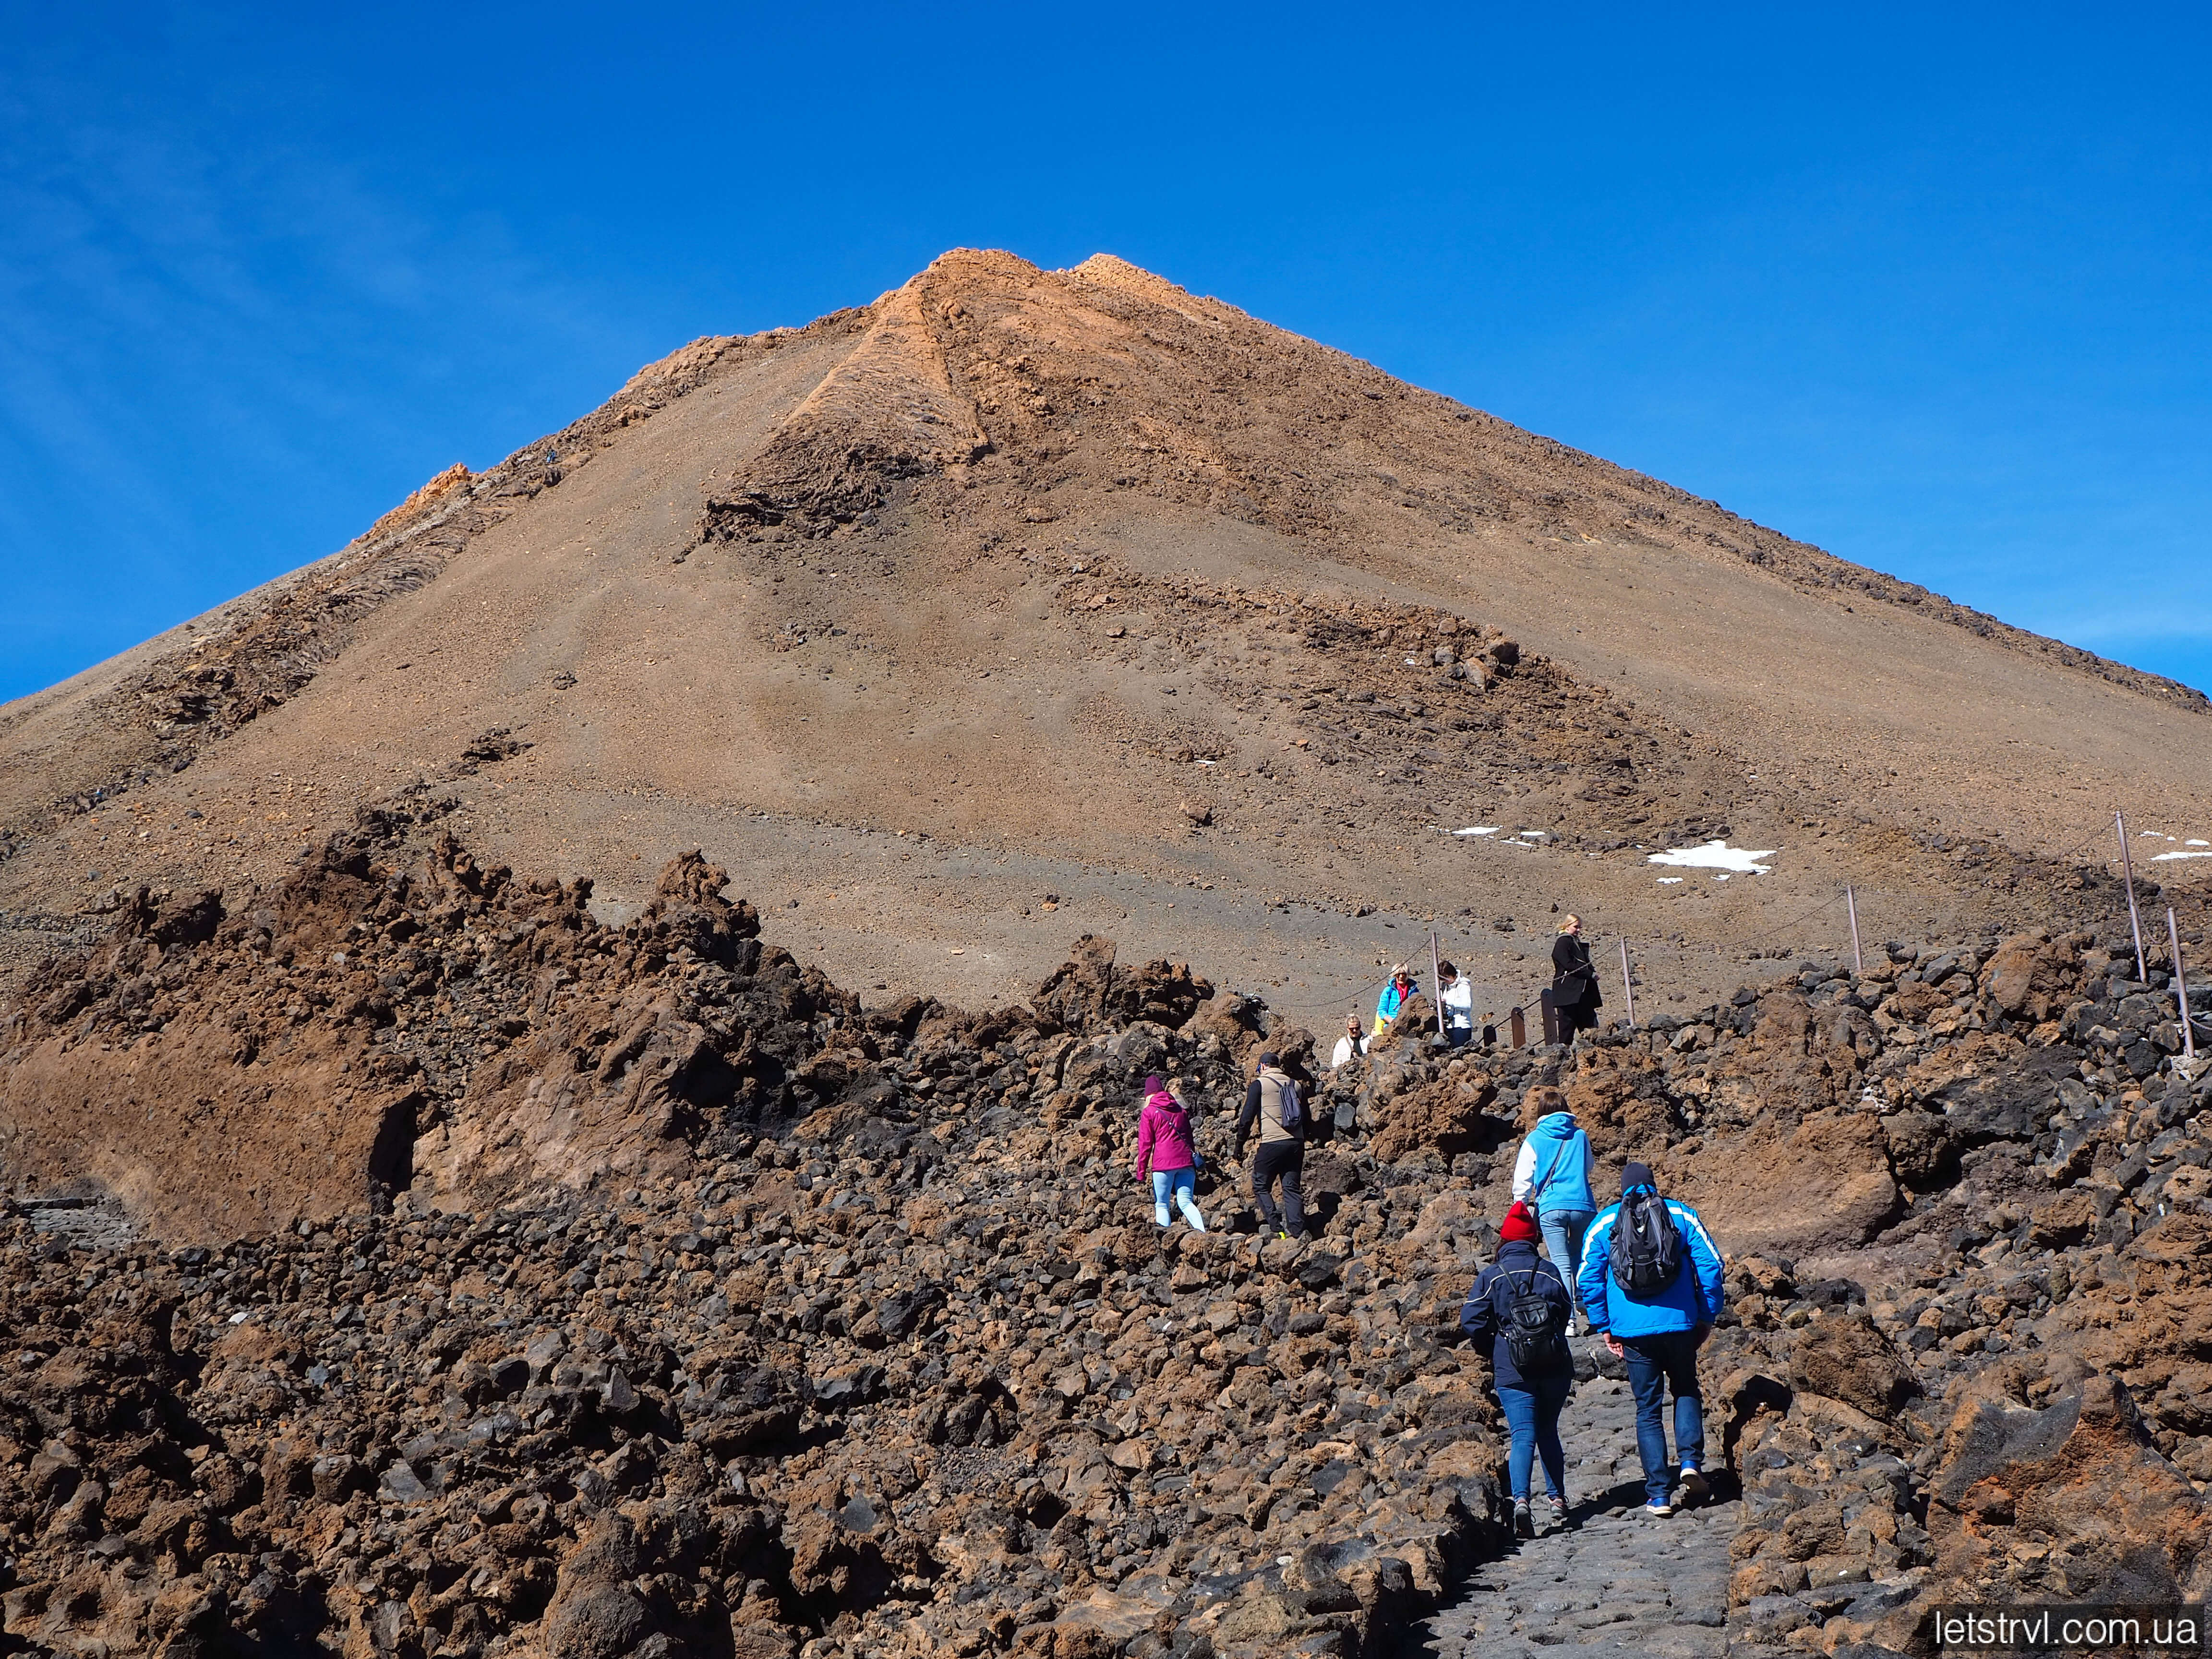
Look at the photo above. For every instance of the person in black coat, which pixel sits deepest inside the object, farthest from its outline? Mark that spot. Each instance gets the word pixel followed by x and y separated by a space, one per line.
pixel 1532 1399
pixel 1574 982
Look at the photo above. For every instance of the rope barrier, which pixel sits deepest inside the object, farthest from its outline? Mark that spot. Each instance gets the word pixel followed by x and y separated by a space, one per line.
pixel 1360 995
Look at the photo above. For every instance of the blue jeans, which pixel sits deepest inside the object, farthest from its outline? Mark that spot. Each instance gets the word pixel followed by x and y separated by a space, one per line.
pixel 1666 1359
pixel 1532 1415
pixel 1563 1241
pixel 1180 1185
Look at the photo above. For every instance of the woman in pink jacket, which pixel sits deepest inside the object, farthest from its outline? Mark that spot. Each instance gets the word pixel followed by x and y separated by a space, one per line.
pixel 1165 1152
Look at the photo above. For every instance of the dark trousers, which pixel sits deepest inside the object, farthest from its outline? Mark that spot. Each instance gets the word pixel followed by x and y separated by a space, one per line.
pixel 1664 1360
pixel 1283 1159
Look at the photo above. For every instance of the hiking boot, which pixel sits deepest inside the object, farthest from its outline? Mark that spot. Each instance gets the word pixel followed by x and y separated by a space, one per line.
pixel 1695 1487
pixel 1659 1509
pixel 1558 1506
pixel 1524 1520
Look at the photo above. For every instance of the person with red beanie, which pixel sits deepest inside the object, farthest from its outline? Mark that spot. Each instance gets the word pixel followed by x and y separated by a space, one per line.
pixel 1517 1317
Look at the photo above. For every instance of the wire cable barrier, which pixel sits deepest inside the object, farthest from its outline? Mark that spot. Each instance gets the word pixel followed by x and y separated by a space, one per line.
pixel 1368 991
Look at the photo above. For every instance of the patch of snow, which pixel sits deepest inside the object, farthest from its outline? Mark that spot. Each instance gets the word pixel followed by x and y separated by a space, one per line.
pixel 1477 829
pixel 1716 855
pixel 2201 843
pixel 2168 857
pixel 1670 881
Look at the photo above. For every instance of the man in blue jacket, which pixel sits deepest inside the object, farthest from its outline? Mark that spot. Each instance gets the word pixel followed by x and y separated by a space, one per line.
pixel 1658 1332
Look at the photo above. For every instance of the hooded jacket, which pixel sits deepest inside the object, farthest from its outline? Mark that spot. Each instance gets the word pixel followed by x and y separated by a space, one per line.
pixel 1458 1000
pixel 1696 1298
pixel 1163 1140
pixel 1518 1271
pixel 1392 998
pixel 1557 1155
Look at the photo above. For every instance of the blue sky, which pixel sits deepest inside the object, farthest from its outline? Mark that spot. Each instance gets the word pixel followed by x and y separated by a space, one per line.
pixel 1923 285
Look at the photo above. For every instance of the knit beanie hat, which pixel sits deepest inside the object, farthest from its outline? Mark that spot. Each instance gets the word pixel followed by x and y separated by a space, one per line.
pixel 1519 1226
pixel 1633 1175
pixel 1152 1085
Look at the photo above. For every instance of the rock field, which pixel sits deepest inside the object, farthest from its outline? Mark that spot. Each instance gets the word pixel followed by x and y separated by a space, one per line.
pixel 518 1285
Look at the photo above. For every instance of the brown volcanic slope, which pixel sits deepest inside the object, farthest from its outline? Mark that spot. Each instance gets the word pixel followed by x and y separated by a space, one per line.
pixel 1023 602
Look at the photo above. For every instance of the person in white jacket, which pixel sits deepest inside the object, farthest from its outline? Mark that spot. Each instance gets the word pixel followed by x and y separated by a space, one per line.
pixel 1352 1044
pixel 1457 997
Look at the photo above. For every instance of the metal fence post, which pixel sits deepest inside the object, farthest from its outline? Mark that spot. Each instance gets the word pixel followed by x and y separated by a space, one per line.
pixel 2134 916
pixel 2180 986
pixel 1851 903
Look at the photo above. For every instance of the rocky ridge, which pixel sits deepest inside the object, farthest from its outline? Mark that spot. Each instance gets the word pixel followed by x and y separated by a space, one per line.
pixel 256 653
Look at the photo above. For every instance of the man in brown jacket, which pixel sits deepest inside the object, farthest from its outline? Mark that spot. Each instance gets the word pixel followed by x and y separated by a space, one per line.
pixel 1272 1101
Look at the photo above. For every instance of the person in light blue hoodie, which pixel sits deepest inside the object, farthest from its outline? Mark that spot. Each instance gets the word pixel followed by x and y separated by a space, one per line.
pixel 1552 1175
pixel 1658 1330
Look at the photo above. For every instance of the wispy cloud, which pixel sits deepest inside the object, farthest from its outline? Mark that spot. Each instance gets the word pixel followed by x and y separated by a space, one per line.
pixel 217 365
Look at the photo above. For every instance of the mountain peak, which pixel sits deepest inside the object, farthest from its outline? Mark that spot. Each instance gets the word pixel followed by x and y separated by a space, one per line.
pixel 1080 570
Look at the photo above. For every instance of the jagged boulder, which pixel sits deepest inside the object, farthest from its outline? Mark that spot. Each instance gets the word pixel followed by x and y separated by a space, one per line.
pixel 2063 1503
pixel 1446 1117
pixel 2031 974
pixel 1847 1356
pixel 1823 1182
pixel 1091 990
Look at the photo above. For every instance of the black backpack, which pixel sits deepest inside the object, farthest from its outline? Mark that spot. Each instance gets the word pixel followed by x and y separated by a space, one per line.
pixel 1289 1110
pixel 1646 1250
pixel 1535 1330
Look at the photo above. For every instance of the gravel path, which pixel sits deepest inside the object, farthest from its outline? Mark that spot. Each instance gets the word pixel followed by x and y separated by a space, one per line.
pixel 93 1223
pixel 1615 1580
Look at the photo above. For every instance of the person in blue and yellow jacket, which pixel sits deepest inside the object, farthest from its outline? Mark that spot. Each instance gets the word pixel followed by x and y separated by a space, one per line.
pixel 1657 1331
pixel 1403 986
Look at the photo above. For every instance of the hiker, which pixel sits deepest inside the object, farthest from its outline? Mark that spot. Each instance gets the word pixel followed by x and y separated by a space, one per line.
pixel 1551 1173
pixel 1273 1100
pixel 1651 1286
pixel 1574 982
pixel 1516 1314
pixel 1166 1152
pixel 1402 985
pixel 1352 1044
pixel 1457 998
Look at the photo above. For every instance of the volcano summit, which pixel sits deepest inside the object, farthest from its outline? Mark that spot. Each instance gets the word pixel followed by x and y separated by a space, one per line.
pixel 1024 598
